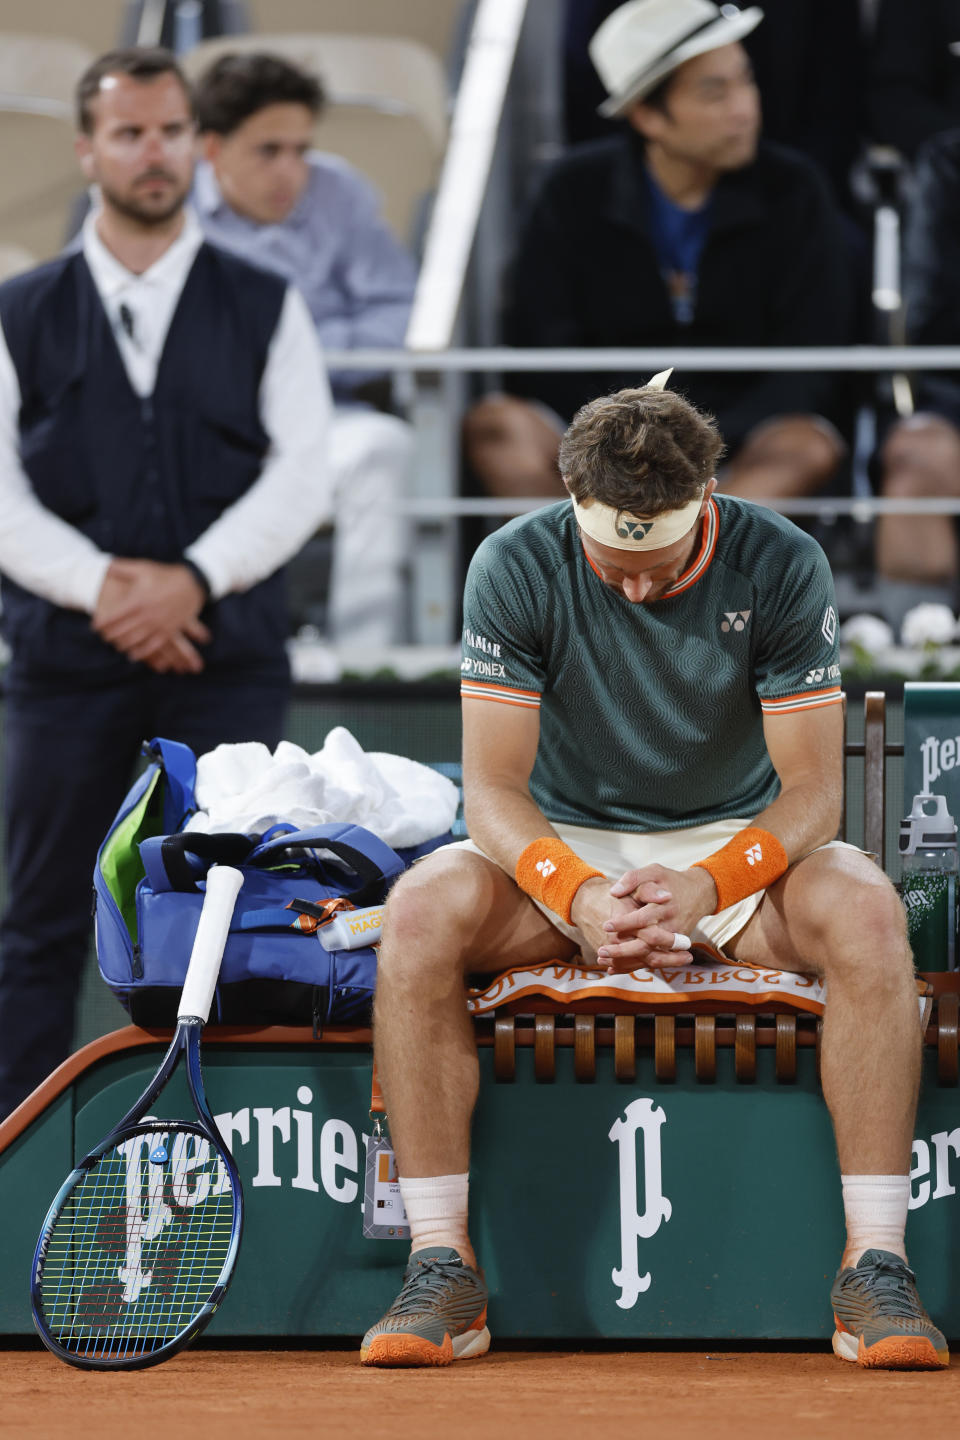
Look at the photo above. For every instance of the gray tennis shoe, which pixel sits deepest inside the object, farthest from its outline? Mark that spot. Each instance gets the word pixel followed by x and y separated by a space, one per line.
pixel 880 1322
pixel 439 1316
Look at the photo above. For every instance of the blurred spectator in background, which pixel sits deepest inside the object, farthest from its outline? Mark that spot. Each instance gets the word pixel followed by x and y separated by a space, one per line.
pixel 921 454
pixel 915 72
pixel 163 413
pixel 183 23
pixel 807 59
pixel 262 192
pixel 684 230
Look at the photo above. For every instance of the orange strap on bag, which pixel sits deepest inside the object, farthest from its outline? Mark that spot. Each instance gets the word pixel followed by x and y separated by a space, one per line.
pixel 749 862
pixel 550 872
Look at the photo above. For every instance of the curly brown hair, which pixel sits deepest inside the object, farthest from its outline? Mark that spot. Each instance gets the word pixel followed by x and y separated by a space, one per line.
pixel 642 450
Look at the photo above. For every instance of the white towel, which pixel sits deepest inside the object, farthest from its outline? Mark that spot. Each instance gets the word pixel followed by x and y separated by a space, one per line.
pixel 245 788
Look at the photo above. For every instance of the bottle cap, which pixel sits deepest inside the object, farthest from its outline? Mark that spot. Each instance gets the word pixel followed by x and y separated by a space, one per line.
pixel 923 830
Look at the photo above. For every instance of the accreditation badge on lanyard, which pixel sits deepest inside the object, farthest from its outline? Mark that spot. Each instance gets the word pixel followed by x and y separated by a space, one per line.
pixel 384 1217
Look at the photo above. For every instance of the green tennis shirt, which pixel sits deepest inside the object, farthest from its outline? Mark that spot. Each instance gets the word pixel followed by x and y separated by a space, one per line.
pixel 651 715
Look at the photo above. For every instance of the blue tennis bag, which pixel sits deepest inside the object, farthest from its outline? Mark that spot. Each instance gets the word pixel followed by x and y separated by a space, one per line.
pixel 148 892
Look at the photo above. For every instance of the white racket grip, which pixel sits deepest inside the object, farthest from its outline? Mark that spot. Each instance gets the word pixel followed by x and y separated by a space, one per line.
pixel 223 887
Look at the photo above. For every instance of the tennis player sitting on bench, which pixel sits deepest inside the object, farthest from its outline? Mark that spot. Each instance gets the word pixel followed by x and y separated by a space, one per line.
pixel 659 755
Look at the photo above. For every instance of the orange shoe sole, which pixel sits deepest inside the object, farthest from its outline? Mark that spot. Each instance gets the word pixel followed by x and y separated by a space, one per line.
pixel 412 1351
pixel 407 1351
pixel 902 1353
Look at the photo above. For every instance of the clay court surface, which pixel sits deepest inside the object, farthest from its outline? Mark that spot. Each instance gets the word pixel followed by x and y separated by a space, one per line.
pixel 511 1395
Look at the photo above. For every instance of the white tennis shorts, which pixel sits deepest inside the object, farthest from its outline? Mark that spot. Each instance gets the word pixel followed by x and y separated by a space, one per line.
pixel 613 852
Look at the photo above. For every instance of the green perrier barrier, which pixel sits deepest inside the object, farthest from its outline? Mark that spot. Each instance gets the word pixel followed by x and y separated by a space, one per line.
pixel 615 1208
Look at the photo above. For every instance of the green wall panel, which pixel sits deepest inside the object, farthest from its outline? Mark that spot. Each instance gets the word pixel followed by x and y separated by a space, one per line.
pixel 747 1173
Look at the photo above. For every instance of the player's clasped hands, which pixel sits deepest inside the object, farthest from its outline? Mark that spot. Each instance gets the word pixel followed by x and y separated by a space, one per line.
pixel 652 912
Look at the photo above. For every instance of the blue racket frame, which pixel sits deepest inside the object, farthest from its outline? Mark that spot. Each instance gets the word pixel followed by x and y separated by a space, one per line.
pixel 186 1040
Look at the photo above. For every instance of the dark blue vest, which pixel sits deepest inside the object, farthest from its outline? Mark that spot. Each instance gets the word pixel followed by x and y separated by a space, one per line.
pixel 141 477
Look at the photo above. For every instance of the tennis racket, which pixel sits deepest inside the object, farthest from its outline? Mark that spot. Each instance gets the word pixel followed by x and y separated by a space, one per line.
pixel 139 1245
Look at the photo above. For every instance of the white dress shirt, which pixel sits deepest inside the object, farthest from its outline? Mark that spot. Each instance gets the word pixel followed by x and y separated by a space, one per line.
pixel 257 533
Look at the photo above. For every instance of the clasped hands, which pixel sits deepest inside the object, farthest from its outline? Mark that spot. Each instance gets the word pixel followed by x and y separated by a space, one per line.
pixel 632 924
pixel 150 612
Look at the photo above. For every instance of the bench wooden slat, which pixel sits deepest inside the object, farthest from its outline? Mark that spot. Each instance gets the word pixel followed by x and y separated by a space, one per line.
pixel 745 1049
pixel 625 1048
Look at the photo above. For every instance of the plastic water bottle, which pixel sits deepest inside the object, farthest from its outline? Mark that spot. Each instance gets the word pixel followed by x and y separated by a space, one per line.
pixel 928 889
pixel 352 929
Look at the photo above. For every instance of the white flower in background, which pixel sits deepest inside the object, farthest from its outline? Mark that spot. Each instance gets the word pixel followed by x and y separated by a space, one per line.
pixel 928 625
pixel 866 632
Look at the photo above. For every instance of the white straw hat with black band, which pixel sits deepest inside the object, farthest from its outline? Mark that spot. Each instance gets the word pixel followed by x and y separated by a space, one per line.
pixel 643 41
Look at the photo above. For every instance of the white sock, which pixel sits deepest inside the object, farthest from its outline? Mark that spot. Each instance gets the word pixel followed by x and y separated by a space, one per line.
pixel 875 1208
pixel 436 1207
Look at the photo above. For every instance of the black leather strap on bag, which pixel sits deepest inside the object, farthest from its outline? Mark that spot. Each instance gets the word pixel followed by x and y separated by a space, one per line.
pixel 227 848
pixel 370 874
pixel 219 849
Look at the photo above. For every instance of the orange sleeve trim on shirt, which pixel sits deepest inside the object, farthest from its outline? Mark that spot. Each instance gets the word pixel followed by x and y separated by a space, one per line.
pixel 809 700
pixel 832 690
pixel 503 694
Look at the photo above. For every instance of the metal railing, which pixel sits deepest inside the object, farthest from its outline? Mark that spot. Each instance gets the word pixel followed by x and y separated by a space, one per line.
pixel 436 410
pixel 879 359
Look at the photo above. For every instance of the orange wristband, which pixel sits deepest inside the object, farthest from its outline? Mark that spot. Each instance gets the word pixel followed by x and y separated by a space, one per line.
pixel 749 862
pixel 550 872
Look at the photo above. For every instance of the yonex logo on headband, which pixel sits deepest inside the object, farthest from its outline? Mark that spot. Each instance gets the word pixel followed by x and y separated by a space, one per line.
pixel 634 529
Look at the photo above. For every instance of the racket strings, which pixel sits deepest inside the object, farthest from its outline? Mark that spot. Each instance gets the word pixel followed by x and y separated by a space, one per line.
pixel 139 1246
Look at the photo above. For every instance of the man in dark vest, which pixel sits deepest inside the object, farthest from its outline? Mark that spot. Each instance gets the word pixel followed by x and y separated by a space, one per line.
pixel 163 413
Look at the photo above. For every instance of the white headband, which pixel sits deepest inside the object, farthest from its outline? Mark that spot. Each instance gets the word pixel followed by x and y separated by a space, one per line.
pixel 623 531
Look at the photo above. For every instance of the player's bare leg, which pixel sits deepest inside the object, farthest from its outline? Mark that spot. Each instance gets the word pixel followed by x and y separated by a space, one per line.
pixel 836 913
pixel 452 914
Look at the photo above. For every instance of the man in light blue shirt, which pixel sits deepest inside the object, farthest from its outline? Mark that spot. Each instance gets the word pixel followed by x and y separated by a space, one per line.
pixel 262 192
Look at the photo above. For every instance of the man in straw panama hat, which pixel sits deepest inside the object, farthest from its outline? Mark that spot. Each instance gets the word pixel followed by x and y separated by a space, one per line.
pixel 686 229
pixel 653 763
